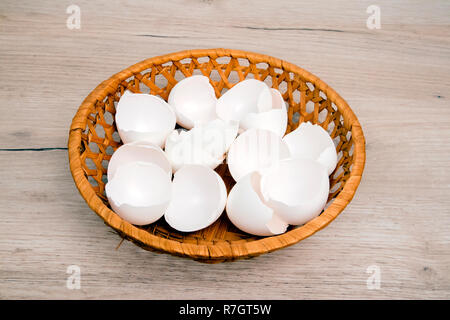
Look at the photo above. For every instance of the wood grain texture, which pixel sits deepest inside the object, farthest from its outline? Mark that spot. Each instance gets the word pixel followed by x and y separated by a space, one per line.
pixel 396 79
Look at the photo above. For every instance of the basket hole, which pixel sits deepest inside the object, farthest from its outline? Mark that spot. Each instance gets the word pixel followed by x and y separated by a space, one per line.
pixel 348 136
pixel 243 62
pixel 143 88
pixel 310 86
pixel 116 136
pixel 233 77
pixel 215 76
pixel 186 61
pixel 105 163
pixel 330 128
pixel 336 187
pixel 223 60
pixel 100 131
pixel 295 117
pixel 160 81
pixel 310 107
pixel 323 115
pixel 93 147
pixel 179 75
pixel 202 60
pixel 323 95
pixel 92 181
pixel 296 96
pixel 337 172
pixel 109 119
pixel 105 179
pixel 262 65
pixel 282 87
pixel 90 164
pixel 109 150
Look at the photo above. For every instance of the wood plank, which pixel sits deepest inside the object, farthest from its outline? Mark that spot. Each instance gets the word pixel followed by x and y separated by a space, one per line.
pixel 396 79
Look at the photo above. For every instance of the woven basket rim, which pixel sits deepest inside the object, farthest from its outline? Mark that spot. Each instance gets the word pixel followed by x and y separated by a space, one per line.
pixel 220 251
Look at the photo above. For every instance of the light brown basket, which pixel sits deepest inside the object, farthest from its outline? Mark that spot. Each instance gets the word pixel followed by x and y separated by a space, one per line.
pixel 93 138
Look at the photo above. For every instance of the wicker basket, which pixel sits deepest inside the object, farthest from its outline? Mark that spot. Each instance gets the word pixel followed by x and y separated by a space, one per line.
pixel 93 138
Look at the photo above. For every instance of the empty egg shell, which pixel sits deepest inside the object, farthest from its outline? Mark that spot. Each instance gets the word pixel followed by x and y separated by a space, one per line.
pixel 204 144
pixel 247 210
pixel 246 96
pixel 139 192
pixel 255 150
pixel 194 101
pixel 296 189
pixel 198 198
pixel 312 142
pixel 144 117
pixel 138 151
pixel 273 119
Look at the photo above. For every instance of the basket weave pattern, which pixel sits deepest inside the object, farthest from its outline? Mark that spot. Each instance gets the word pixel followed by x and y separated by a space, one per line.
pixel 93 138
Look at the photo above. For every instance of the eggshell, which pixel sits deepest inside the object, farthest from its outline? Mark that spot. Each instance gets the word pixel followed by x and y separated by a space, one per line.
pixel 296 189
pixel 139 192
pixel 312 142
pixel 194 101
pixel 199 197
pixel 273 119
pixel 144 117
pixel 246 96
pixel 138 151
pixel 255 150
pixel 247 210
pixel 204 144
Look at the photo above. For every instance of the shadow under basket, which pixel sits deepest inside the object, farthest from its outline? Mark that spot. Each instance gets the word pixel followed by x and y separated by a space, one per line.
pixel 93 138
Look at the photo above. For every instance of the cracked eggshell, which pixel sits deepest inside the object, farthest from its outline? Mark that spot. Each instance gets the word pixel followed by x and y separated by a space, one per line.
pixel 194 101
pixel 199 196
pixel 311 141
pixel 205 144
pixel 273 119
pixel 139 192
pixel 246 96
pixel 255 150
pixel 138 151
pixel 297 189
pixel 144 117
pixel 248 211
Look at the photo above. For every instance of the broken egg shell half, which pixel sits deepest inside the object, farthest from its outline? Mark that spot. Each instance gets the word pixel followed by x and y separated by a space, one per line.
pixel 311 141
pixel 205 144
pixel 144 117
pixel 138 151
pixel 194 101
pixel 296 189
pixel 255 150
pixel 248 96
pixel 273 119
pixel 247 210
pixel 199 196
pixel 139 192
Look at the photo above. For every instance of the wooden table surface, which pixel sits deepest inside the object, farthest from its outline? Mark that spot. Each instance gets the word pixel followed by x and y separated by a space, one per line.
pixel 396 79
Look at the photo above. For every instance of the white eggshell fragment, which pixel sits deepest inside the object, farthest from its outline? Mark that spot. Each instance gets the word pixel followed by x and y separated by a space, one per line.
pixel 140 151
pixel 296 189
pixel 205 144
pixel 255 150
pixel 273 119
pixel 139 192
pixel 247 211
pixel 198 198
pixel 246 96
pixel 144 117
pixel 194 101
pixel 311 141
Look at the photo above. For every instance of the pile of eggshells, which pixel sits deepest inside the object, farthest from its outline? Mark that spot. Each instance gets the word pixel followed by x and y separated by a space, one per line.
pixel 281 180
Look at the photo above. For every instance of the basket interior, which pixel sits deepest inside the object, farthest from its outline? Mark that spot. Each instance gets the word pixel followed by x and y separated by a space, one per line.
pixel 305 103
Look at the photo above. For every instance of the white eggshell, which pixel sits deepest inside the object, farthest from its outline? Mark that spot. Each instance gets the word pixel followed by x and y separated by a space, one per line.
pixel 247 211
pixel 273 119
pixel 144 117
pixel 198 198
pixel 194 101
pixel 246 96
pixel 205 144
pixel 312 142
pixel 138 151
pixel 139 192
pixel 296 189
pixel 255 150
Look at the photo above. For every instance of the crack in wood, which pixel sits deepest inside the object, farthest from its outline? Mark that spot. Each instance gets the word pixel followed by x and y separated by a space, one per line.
pixel 32 149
